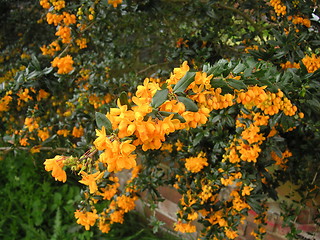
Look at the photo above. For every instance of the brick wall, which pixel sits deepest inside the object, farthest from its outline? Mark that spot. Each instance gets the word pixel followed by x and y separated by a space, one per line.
pixel 167 209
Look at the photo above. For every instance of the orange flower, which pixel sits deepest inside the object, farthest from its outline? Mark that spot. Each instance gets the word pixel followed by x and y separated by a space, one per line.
pixel 87 219
pixel 43 134
pixel 184 227
pixel 77 132
pixel 63 132
pixel 114 3
pixel 117 216
pixel 55 165
pixel 231 234
pixel 126 203
pixel 91 180
pixel 196 164
pixel 246 190
pixel 42 94
pixel 64 64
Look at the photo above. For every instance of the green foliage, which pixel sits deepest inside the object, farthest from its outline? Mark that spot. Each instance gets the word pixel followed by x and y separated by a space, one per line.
pixel 34 207
pixel 139 39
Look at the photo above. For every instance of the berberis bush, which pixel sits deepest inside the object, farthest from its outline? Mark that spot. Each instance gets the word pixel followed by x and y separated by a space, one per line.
pixel 238 118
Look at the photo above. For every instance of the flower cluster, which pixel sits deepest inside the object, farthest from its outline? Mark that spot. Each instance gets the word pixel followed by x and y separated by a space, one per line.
pixel 64 64
pixel 312 63
pixel 300 20
pixel 216 196
pixel 289 64
pixel 279 7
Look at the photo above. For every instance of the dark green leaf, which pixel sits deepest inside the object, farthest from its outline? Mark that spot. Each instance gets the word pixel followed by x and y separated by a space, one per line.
pixel 190 105
pixel 184 82
pixel 159 98
pixel 124 100
pixel 175 115
pixel 237 84
pixel 239 68
pixel 275 119
pixel 219 83
pixel 102 120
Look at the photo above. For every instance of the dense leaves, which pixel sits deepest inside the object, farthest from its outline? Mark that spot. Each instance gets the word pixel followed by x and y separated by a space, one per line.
pixel 225 136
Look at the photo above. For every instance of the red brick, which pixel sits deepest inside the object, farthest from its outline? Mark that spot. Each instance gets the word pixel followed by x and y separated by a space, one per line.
pixel 168 221
pixel 272 221
pixel 251 216
pixel 271 226
pixel 282 230
pixel 240 238
pixel 271 236
pixel 168 208
pixel 307 227
pixel 170 194
pixel 249 229
pixel 304 216
pixel 242 229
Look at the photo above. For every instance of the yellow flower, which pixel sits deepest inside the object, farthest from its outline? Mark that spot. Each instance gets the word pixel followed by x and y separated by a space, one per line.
pixel 104 227
pixel 58 5
pixel 55 165
pixel 24 95
pixel 77 132
pixel 69 18
pixel 126 203
pixel 312 63
pixel 246 190
pixel 45 4
pixel 35 149
pixel 91 180
pixel 117 216
pixel 184 227
pixel 24 141
pixel 87 219
pixel 231 234
pixel 102 141
pixel 43 134
pixel 63 132
pixel 63 64
pixel 196 164
pixel 179 145
pixel 114 3
pixel 42 94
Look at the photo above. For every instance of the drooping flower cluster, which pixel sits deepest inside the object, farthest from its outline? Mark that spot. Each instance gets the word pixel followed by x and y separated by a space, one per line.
pixel 216 195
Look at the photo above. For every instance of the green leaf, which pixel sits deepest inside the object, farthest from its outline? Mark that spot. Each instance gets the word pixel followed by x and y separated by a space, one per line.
pixel 314 104
pixel 184 82
pixel 124 99
pixel 275 119
pixel 255 205
pixel 190 105
pixel 219 83
pixel 237 84
pixel 159 98
pixel 102 120
pixel 239 68
pixel 35 63
pixel 175 116
pixel 47 70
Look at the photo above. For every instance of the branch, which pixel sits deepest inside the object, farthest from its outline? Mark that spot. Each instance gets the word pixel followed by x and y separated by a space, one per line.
pixel 8 149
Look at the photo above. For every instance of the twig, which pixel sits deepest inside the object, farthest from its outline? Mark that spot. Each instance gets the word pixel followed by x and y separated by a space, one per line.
pixel 59 149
